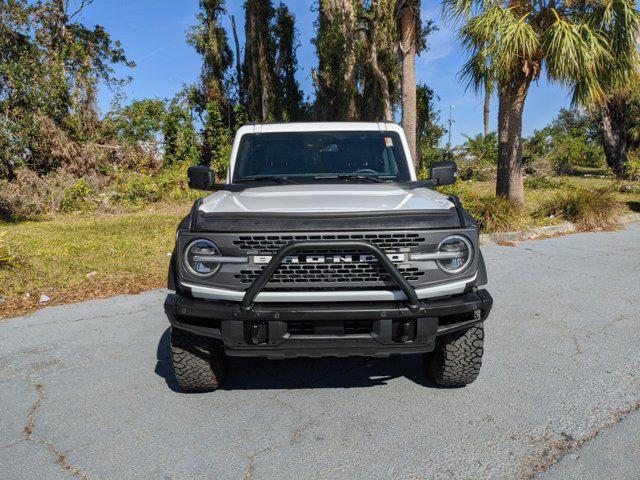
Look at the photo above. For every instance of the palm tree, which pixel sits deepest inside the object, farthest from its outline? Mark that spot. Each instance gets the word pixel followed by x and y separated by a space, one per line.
pixel 517 39
pixel 620 83
pixel 488 91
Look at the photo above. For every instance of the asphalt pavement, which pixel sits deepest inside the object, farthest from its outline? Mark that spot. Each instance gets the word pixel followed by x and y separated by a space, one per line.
pixel 87 391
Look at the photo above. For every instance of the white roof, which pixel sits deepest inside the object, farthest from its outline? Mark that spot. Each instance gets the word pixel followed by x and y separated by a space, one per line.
pixel 320 126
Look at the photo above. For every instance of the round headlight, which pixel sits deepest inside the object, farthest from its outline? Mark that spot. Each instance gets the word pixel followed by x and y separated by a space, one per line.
pixel 197 258
pixel 457 252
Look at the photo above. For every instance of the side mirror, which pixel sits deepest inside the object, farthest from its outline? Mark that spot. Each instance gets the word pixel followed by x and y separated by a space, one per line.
pixel 200 178
pixel 443 173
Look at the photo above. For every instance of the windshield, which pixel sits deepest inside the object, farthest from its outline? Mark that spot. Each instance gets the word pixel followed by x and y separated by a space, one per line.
pixel 318 156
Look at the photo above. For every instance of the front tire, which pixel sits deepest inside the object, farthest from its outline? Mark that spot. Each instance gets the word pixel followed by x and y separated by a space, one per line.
pixel 199 363
pixel 457 358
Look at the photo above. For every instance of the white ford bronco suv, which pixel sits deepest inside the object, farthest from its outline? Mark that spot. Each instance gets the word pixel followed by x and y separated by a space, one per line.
pixel 322 242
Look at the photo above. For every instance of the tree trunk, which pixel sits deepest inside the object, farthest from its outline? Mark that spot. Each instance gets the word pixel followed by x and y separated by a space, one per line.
pixel 349 87
pixel 259 62
pixel 407 25
pixel 487 106
pixel 335 78
pixel 614 134
pixel 511 104
pixel 380 76
pixel 7 166
pixel 265 81
pixel 241 94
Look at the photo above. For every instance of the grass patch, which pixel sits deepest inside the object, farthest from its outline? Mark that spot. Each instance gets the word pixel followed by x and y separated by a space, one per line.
pixel 72 258
pixel 535 183
pixel 588 209
pixel 7 256
pixel 581 170
pixel 497 214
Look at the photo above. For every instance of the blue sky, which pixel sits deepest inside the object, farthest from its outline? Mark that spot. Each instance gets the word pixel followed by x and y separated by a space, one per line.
pixel 153 35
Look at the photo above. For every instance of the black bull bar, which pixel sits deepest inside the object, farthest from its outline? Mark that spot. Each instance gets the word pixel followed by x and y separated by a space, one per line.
pixel 294 247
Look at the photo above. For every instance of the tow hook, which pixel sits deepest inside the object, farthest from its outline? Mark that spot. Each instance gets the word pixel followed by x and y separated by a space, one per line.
pixel 404 330
pixel 257 333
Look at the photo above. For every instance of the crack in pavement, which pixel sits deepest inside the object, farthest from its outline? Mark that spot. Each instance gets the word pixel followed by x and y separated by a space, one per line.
pixel 611 323
pixel 144 308
pixel 298 432
pixel 294 439
pixel 61 459
pixel 555 449
pixel 12 444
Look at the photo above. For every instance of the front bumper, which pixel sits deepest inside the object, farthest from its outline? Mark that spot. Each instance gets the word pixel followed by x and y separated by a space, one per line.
pixel 266 330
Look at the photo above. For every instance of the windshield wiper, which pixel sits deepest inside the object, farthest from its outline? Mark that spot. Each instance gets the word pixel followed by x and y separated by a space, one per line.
pixel 353 176
pixel 264 178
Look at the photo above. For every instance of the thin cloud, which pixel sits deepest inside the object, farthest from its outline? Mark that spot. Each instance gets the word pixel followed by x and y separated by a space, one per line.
pixel 152 54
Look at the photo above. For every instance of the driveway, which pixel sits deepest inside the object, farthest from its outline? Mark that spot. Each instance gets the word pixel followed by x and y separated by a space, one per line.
pixel 86 390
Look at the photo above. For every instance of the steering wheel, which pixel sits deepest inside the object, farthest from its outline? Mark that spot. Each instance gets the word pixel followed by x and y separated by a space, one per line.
pixel 365 171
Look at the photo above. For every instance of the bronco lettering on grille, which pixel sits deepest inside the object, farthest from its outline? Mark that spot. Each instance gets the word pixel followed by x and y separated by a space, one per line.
pixel 323 259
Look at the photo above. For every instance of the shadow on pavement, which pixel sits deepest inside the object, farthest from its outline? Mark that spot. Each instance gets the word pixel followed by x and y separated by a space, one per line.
pixel 261 373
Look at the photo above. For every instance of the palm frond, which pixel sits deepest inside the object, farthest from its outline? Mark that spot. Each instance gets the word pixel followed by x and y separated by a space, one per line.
pixel 574 52
pixel 483 30
pixel 457 10
pixel 477 71
pixel 618 22
pixel 518 43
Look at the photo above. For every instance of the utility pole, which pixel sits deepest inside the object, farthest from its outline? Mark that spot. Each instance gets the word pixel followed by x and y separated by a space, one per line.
pixel 451 121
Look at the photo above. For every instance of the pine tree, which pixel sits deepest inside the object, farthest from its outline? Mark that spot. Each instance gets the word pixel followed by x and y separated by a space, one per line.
pixel 210 98
pixel 289 97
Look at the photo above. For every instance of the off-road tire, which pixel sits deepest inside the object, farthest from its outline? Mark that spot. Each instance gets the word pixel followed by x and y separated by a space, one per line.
pixel 199 363
pixel 457 358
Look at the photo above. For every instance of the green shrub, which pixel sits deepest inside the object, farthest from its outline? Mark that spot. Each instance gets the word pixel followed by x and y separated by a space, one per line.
pixel 570 152
pixel 477 171
pixel 496 214
pixel 535 183
pixel 172 182
pixel 482 148
pixel 633 170
pixel 79 197
pixel 595 209
pixel 136 189
pixel 459 189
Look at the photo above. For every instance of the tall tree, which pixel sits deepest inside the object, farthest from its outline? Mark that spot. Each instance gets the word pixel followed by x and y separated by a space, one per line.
pixel 411 41
pixel 51 67
pixel 619 22
pixel 289 97
pixel 516 39
pixel 614 123
pixel 259 60
pixel 239 80
pixel 210 97
pixel 380 74
pixel 486 112
pixel 338 50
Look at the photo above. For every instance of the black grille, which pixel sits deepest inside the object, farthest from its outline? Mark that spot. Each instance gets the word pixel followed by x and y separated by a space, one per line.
pixel 336 275
pixel 270 244
pixel 358 327
pixel 300 327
